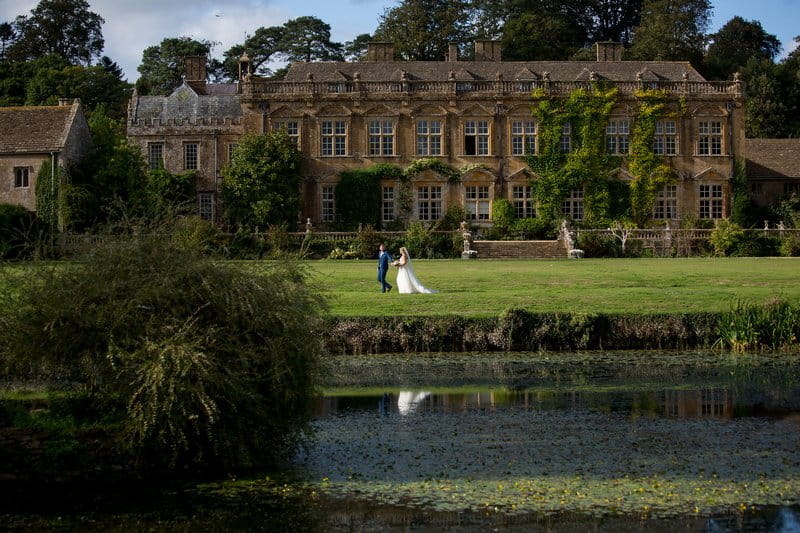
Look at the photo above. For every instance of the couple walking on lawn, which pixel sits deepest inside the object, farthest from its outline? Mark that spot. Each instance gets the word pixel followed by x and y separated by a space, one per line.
pixel 407 282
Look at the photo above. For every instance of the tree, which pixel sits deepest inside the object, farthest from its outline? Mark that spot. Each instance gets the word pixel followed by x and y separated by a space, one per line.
pixel 7 38
pixel 734 44
pixel 765 108
pixel 163 65
pixel 610 20
pixel 309 39
pixel 422 30
pixel 93 85
pixel 540 37
pixel 64 27
pixel 671 30
pixel 260 48
pixel 356 49
pixel 261 185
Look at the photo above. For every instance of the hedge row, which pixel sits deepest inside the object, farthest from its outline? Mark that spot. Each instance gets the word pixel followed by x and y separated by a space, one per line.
pixel 520 330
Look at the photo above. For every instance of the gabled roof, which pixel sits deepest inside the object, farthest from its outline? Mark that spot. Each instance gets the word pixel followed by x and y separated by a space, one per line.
pixel 185 103
pixel 488 70
pixel 36 129
pixel 772 158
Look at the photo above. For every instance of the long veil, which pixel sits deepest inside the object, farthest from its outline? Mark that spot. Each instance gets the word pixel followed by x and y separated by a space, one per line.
pixel 416 285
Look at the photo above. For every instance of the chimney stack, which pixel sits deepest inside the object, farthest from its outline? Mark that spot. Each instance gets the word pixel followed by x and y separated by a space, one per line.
pixel 195 72
pixel 609 51
pixel 380 51
pixel 487 50
pixel 452 52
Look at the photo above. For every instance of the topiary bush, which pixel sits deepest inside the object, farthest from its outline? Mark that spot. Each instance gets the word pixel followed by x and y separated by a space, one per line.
pixel 208 366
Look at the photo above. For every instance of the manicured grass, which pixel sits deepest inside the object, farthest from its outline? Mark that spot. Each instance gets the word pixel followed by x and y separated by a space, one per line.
pixel 484 288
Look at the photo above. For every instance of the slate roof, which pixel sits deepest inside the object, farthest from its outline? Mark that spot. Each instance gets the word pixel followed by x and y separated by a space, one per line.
pixel 772 158
pixel 35 129
pixel 185 103
pixel 487 70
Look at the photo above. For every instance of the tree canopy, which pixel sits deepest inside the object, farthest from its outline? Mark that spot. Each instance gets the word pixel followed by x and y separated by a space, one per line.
pixel 671 30
pixel 261 184
pixel 421 30
pixel 162 66
pixel 735 44
pixel 63 27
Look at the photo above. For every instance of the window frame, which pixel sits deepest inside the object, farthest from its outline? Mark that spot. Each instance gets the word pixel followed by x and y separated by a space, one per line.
pixel 336 138
pixel 614 135
pixel 328 202
pixel 293 133
pixel 186 158
pixel 523 204
pixel 477 195
pixel 481 142
pixel 201 197
pixel 710 143
pixel 388 203
pixel 710 203
pixel 523 136
pixel 22 177
pixel 380 140
pixel 160 163
pixel 429 136
pixel 665 142
pixel 433 204
pixel 572 206
pixel 666 203
pixel 565 141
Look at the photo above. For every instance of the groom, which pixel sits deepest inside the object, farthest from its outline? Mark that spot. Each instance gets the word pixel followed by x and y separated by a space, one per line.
pixel 384 259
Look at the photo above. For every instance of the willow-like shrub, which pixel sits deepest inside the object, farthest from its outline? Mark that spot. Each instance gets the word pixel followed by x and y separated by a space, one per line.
pixel 208 366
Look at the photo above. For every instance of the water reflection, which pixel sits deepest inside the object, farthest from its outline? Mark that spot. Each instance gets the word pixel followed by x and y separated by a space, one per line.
pixel 716 402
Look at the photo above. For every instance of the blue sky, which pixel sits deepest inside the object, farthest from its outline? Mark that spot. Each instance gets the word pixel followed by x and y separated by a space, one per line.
pixel 132 26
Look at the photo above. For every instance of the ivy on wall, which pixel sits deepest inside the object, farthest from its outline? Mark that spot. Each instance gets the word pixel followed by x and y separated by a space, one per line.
pixel 649 170
pixel 359 196
pixel 587 164
pixel 49 196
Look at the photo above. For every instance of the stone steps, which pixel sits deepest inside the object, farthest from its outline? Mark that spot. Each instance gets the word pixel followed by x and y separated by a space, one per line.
pixel 519 249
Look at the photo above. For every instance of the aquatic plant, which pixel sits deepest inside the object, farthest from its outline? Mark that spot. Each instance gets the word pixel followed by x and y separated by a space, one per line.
pixel 774 325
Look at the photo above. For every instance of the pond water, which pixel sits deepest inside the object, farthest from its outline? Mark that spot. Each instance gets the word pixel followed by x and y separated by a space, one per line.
pixel 515 442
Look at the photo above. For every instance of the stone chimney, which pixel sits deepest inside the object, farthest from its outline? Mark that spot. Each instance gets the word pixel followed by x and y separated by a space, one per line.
pixel 608 51
pixel 64 102
pixel 452 52
pixel 380 51
pixel 195 72
pixel 487 50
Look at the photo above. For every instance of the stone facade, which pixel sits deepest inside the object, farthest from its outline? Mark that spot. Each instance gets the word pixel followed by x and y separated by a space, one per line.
pixel 773 169
pixel 468 114
pixel 31 135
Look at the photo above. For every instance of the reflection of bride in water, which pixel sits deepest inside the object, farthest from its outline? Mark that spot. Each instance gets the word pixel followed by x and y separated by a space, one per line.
pixel 407 401
pixel 407 282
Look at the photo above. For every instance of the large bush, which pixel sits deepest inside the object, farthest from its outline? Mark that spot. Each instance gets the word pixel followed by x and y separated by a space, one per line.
pixel 207 365
pixel 17 231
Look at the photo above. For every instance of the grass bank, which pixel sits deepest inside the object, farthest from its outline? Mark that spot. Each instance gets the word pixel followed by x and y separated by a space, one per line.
pixel 485 288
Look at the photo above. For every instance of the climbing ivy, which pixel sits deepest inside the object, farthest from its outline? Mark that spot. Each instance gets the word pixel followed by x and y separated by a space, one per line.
pixel 49 195
pixel 587 164
pixel 358 194
pixel 649 170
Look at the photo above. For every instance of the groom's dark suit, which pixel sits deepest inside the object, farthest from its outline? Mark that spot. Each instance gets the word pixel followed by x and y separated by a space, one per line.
pixel 383 267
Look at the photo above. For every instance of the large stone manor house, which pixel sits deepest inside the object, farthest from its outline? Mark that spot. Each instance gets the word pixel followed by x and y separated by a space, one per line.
pixel 474 114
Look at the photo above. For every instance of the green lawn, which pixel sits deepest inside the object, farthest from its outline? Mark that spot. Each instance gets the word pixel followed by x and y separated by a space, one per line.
pixel 487 287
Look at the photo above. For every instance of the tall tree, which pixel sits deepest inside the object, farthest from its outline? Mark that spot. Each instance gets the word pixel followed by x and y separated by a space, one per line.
pixel 536 36
pixel 261 184
pixel 738 41
pixel 672 30
pixel 7 37
pixel 64 27
pixel 356 49
pixel 162 66
pixel 309 39
pixel 93 85
pixel 421 30
pixel 612 20
pixel 765 108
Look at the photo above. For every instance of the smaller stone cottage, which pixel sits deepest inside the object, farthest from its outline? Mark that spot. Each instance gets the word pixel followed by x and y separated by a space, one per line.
pixel 31 135
pixel 773 169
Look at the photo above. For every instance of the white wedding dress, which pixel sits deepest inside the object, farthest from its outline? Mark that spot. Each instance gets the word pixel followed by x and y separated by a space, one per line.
pixel 407 282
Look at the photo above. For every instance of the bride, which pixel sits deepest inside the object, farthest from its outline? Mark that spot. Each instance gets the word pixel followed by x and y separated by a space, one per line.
pixel 407 282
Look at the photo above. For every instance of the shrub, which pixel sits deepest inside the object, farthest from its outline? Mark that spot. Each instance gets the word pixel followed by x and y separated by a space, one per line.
pixel 790 247
pixel 751 327
pixel 16 228
pixel 598 245
pixel 726 236
pixel 194 233
pixel 534 229
pixel 208 365
pixel 752 245
pixel 503 216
